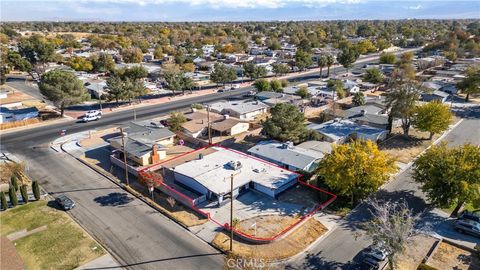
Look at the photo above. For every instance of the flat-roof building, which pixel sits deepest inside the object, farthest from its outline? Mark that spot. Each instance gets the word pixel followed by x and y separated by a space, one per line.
pixel 210 175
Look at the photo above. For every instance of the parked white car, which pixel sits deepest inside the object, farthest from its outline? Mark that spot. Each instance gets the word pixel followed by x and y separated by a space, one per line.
pixel 92 116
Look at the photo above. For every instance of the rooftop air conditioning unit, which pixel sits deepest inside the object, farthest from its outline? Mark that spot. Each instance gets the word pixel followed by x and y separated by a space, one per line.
pixel 235 165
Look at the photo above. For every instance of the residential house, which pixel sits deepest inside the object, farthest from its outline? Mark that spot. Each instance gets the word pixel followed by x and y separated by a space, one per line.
pixel 229 127
pixel 209 175
pixel 243 110
pixel 144 144
pixel 435 96
pixel 340 130
pixel 373 115
pixel 286 155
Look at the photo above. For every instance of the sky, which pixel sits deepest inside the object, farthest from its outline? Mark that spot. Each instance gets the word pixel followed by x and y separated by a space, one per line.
pixel 234 10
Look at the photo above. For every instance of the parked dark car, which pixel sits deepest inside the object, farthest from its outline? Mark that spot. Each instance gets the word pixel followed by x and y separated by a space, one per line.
pixel 468 226
pixel 474 215
pixel 65 202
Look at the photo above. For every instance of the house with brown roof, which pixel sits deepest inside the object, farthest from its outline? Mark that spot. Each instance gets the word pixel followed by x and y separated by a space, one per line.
pixel 229 127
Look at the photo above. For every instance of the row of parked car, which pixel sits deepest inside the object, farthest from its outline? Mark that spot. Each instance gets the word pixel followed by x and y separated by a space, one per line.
pixel 469 223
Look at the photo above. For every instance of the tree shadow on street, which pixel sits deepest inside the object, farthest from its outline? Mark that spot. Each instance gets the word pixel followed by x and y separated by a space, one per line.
pixel 113 199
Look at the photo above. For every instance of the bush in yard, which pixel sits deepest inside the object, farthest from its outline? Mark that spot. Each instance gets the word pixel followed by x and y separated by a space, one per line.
pixel 197 106
pixel 12 194
pixel 3 200
pixel 23 192
pixel 36 190
pixel 14 182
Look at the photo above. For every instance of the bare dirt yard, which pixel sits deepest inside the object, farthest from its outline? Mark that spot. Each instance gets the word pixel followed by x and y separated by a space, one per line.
pixel 414 254
pixel 265 226
pixel 283 248
pixel 449 256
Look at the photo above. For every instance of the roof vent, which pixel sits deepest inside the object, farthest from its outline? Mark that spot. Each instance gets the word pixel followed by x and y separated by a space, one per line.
pixel 235 165
pixel 287 145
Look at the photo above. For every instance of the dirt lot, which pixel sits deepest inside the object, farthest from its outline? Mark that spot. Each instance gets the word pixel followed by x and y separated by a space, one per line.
pixel 448 256
pixel 294 243
pixel 414 254
pixel 266 226
pixel 404 148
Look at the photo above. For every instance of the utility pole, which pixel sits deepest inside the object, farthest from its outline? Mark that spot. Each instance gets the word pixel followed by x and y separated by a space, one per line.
pixel 124 156
pixel 208 126
pixel 231 213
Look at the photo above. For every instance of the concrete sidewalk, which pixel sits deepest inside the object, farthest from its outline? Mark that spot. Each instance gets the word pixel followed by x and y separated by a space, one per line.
pixel 104 262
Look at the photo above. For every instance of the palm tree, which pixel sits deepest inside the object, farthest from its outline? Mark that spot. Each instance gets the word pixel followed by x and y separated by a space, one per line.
pixel 330 62
pixel 322 62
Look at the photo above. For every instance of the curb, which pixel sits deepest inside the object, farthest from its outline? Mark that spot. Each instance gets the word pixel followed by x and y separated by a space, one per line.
pixel 137 195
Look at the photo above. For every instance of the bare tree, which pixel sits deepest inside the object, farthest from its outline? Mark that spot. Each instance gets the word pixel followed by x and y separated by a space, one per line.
pixel 394 226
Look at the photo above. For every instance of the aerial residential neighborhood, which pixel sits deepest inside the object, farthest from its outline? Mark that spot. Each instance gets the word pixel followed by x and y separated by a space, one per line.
pixel 249 135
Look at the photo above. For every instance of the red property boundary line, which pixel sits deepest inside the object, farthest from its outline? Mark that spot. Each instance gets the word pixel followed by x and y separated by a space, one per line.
pixel 145 172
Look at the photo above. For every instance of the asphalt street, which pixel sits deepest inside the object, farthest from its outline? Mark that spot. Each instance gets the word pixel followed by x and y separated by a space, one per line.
pixel 138 236
pixel 342 248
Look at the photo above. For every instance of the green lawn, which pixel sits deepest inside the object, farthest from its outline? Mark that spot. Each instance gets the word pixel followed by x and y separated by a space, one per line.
pixel 64 245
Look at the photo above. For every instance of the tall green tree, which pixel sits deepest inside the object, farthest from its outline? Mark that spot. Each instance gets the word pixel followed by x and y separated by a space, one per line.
pixel 132 55
pixel 303 60
pixel 36 49
pixel 358 99
pixel 330 62
pixel 322 62
pixel 223 74
pixel 356 169
pixel 254 71
pixel 276 86
pixel 176 120
pixel 115 89
pixel 63 88
pixel 401 100
pixel 347 57
pixel 36 190
pixel 262 85
pixel 134 73
pixel 3 201
pixel 280 69
pixel 23 192
pixel 18 62
pixel 14 182
pixel 471 83
pixel 373 75
pixel 450 176
pixel 433 117
pixel 12 194
pixel 286 123
pixel 102 63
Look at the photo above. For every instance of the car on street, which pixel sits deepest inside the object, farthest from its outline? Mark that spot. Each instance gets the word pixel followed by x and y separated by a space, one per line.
pixel 250 94
pixel 377 252
pixel 65 202
pixel 468 226
pixel 92 116
pixel 474 215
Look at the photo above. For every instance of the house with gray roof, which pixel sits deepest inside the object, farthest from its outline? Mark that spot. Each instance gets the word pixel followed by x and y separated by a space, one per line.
pixel 435 96
pixel 340 130
pixel 287 155
pixel 243 110
pixel 370 114
pixel 144 144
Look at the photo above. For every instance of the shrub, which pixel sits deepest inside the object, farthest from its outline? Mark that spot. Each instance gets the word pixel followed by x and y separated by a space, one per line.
pixel 14 182
pixel 13 196
pixel 197 106
pixel 36 190
pixel 3 200
pixel 23 192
